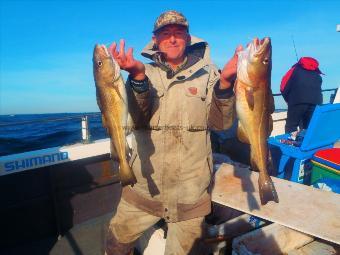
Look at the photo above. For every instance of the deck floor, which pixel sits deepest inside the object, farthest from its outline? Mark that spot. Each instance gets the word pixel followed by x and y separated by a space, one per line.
pixel 85 239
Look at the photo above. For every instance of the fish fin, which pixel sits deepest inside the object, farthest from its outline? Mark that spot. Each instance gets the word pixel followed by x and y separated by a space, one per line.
pixel 104 121
pixel 267 190
pixel 128 130
pixel 119 94
pixel 99 102
pixel 113 152
pixel 270 125
pixel 101 109
pixel 241 134
pixel 271 103
pixel 253 161
pixel 270 165
pixel 126 175
pixel 250 97
pixel 129 124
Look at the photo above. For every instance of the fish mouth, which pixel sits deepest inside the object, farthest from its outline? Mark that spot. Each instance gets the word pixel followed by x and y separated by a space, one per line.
pixel 259 47
pixel 101 51
pixel 260 50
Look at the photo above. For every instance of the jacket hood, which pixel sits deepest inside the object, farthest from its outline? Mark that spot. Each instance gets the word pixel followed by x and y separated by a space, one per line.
pixel 197 47
pixel 310 64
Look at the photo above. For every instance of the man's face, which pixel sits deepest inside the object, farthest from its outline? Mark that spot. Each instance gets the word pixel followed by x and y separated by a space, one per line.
pixel 172 41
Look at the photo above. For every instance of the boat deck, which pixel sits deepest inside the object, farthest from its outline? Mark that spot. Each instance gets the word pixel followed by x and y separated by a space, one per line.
pixel 85 239
pixel 73 200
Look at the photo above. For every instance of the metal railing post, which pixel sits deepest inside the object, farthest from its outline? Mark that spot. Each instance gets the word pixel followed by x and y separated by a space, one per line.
pixel 85 129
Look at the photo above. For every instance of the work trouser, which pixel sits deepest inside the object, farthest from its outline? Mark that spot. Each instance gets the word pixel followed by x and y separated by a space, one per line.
pixel 298 115
pixel 129 223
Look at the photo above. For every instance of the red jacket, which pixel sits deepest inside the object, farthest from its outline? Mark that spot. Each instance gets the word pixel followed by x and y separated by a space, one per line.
pixel 307 63
pixel 302 83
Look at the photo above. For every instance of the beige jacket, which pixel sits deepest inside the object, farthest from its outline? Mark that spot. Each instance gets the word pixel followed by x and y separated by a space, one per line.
pixel 172 157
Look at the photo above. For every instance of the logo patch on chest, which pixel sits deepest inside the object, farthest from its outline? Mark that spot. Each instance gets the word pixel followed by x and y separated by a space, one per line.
pixel 193 90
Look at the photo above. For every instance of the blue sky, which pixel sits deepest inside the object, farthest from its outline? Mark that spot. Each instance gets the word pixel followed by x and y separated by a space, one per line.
pixel 46 46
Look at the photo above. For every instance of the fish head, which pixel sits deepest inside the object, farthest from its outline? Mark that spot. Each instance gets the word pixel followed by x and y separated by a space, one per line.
pixel 255 62
pixel 105 67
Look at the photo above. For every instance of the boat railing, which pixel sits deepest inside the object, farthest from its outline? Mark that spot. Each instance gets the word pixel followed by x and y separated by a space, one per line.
pixel 281 106
pixel 327 93
pixel 80 116
pixel 334 90
pixel 328 97
pixel 83 117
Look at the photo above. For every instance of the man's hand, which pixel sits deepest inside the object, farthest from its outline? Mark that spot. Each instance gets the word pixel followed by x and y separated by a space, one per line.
pixel 127 62
pixel 228 74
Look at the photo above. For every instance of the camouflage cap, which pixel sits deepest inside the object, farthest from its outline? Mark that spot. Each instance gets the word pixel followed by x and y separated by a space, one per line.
pixel 169 18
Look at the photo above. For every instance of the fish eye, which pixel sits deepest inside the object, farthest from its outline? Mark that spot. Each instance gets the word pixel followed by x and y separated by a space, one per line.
pixel 100 63
pixel 265 61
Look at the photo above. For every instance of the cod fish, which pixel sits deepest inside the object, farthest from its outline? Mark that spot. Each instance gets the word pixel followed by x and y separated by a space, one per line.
pixel 254 106
pixel 112 102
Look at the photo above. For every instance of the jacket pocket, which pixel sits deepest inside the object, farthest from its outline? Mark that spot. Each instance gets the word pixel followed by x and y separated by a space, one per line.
pixel 195 109
pixel 156 96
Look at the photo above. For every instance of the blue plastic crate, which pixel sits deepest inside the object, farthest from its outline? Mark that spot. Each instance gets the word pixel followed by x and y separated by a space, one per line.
pixel 292 162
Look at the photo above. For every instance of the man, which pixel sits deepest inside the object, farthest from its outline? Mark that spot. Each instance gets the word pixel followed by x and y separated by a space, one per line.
pixel 301 89
pixel 173 101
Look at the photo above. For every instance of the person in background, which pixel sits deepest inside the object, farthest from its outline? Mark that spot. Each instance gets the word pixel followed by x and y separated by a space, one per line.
pixel 301 89
pixel 174 101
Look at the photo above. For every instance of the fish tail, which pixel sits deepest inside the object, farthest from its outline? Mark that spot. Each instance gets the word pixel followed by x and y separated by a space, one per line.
pixel 267 190
pixel 126 175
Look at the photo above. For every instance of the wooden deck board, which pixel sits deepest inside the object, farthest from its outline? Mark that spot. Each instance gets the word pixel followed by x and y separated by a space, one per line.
pixel 303 208
pixel 316 248
pixel 273 239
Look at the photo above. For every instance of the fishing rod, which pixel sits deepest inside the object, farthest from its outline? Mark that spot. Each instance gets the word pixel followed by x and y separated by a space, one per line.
pixel 297 59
